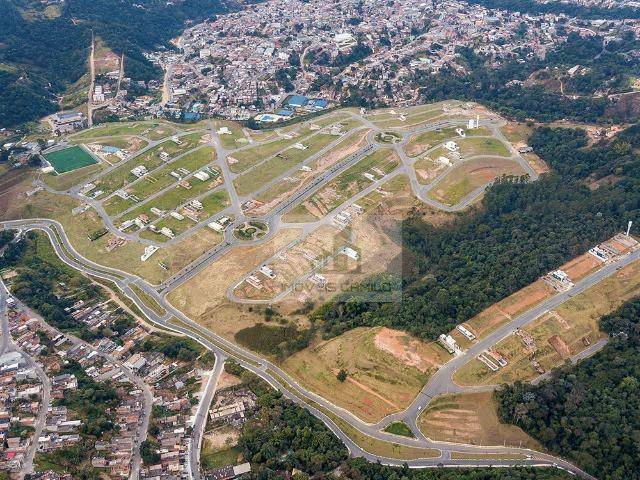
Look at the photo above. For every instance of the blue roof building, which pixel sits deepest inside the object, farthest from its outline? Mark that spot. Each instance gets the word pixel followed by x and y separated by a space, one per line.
pixel 318 103
pixel 297 101
pixel 285 113
pixel 191 116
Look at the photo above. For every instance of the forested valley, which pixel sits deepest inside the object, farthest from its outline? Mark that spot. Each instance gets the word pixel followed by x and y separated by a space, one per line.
pixel 41 55
pixel 589 413
pixel 522 230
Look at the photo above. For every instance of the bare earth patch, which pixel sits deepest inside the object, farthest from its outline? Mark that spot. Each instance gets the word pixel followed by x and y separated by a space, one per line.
pixel 405 349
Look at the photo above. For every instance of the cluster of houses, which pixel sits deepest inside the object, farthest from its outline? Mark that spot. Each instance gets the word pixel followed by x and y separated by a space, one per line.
pixel 145 380
pixel 175 405
pixel 63 425
pixel 20 404
pixel 241 61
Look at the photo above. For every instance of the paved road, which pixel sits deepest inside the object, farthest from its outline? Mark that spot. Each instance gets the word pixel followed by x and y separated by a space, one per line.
pixel 92 74
pixel 200 421
pixel 274 216
pixel 4 319
pixel 143 427
pixel 279 379
pixel 442 381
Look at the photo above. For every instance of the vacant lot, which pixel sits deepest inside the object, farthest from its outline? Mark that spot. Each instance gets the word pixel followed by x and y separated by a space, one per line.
pixel 472 146
pixel 203 297
pixel 69 159
pixel 412 116
pixel 468 176
pixel 265 172
pixel 353 180
pixel 428 169
pixel 558 334
pixel 69 179
pixel 235 139
pixel 421 142
pixel 377 383
pixel 153 183
pixel 175 197
pixel 116 129
pixel 248 157
pixel 161 131
pixel 286 187
pixel 470 418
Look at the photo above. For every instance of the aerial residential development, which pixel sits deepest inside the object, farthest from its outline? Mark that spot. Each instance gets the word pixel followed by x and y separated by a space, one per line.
pixel 319 240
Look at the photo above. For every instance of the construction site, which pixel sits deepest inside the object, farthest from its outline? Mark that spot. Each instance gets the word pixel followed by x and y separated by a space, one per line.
pixel 560 334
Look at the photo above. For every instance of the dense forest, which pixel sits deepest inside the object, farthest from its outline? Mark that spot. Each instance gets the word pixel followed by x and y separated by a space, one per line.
pixel 522 230
pixel 589 413
pixel 41 55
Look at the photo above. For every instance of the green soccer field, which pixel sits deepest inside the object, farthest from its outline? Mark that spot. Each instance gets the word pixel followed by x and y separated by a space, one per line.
pixel 69 159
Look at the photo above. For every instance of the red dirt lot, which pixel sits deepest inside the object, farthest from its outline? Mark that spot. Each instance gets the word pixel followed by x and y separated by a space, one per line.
pixel 581 266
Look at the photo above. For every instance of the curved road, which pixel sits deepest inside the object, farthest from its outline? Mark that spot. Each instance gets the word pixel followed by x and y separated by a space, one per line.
pixel 321 408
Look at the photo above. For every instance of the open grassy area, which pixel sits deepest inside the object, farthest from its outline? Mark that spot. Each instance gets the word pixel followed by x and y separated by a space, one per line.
pixel 115 129
pixel 468 176
pixel 382 448
pixel 367 443
pixel 428 169
pixel 125 257
pixel 289 185
pixel 203 297
pixel 299 214
pixel 399 428
pixel 248 157
pixel 148 300
pixel 155 182
pixel 352 181
pixel 131 144
pixel 421 142
pixel 212 459
pixel 69 179
pixel 69 159
pixel 216 201
pixel 314 145
pixel 471 146
pixel 122 176
pixel 173 198
pixel 413 117
pixel 265 172
pixel 377 384
pixel 177 226
pixel 161 131
pixel 470 418
pixel 235 139
pixel 251 156
pixel 557 334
